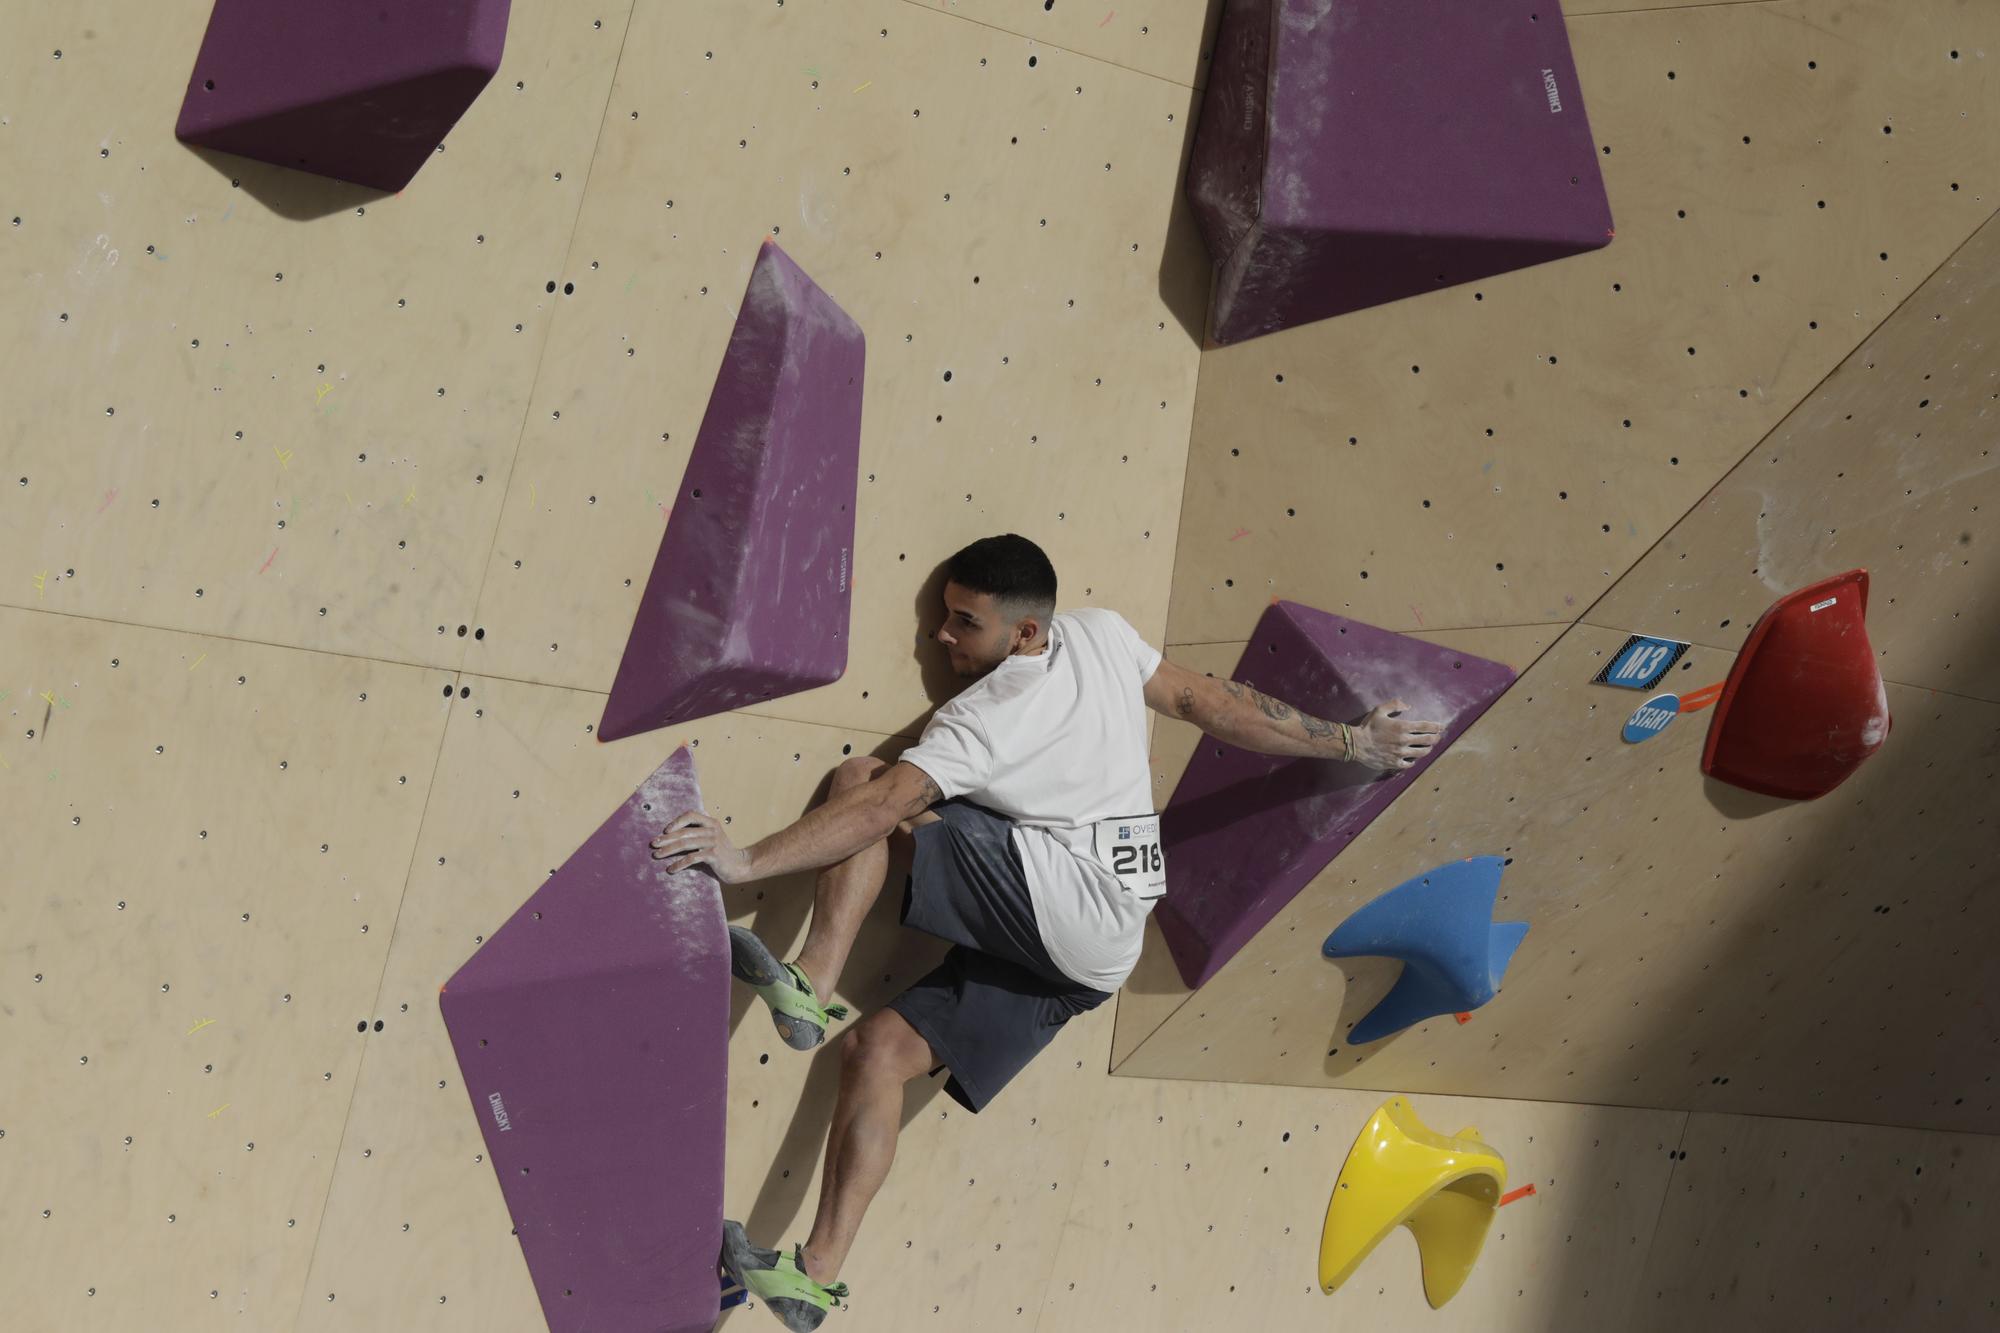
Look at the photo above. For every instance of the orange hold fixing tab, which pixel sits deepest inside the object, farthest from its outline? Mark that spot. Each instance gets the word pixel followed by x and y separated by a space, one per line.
pixel 1695 700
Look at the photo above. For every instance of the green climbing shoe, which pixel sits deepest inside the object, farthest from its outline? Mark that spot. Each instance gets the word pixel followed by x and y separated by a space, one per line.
pixel 778 1280
pixel 795 1009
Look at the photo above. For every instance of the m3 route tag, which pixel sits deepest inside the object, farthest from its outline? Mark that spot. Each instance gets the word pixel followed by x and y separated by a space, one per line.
pixel 1129 847
pixel 1642 663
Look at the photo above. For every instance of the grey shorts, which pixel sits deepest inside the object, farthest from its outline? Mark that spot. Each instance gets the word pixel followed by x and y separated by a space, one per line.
pixel 997 998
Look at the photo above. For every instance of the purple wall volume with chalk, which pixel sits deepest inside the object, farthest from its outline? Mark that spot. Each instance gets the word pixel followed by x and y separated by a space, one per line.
pixel 1353 152
pixel 1244 832
pixel 750 591
pixel 592 1030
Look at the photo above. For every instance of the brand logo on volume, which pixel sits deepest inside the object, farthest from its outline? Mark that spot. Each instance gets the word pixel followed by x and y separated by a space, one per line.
pixel 499 1112
pixel 1549 87
pixel 843 569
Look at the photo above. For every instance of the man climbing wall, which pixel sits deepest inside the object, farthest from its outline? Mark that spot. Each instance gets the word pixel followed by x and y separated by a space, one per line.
pixel 1035 851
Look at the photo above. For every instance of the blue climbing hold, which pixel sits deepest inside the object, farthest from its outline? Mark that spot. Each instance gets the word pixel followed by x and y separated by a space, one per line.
pixel 1441 925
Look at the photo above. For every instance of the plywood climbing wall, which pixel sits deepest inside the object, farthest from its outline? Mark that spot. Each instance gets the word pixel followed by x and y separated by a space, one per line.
pixel 323 516
pixel 1691 944
pixel 1737 1238
pixel 981 206
pixel 1782 176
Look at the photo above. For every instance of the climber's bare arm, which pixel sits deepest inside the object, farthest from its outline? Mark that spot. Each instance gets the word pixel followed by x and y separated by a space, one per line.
pixel 1246 717
pixel 898 797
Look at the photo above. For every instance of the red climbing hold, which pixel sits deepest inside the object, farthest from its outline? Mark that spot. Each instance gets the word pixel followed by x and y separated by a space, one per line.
pixel 1804 704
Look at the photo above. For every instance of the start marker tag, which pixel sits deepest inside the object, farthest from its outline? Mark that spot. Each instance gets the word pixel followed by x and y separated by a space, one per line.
pixel 1651 718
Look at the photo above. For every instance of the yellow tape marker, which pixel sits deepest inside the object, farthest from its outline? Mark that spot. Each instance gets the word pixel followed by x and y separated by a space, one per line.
pixel 199 1026
pixel 198 661
pixel 284 458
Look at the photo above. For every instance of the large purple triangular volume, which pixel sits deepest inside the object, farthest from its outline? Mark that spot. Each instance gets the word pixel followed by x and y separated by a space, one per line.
pixel 749 595
pixel 1244 832
pixel 1352 153
pixel 592 1030
pixel 353 89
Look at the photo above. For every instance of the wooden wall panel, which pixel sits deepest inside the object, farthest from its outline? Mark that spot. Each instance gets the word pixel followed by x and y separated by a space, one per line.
pixel 203 855
pixel 1771 1222
pixel 1500 453
pixel 1691 945
pixel 182 965
pixel 250 402
pixel 978 220
pixel 1892 464
pixel 1168 39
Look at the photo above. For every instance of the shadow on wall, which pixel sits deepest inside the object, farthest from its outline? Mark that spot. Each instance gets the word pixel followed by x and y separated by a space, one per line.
pixel 885 961
pixel 1861 945
pixel 1186 275
pixel 1736 803
pixel 297 195
pixel 940 682
pixel 1368 979
pixel 1907 898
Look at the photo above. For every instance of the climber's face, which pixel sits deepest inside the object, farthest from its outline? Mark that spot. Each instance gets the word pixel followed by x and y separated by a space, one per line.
pixel 977 635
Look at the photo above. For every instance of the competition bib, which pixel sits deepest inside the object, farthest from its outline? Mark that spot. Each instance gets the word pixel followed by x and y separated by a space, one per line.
pixel 1129 847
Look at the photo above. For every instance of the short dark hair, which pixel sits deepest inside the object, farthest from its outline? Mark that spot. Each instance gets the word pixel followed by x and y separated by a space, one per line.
pixel 1012 570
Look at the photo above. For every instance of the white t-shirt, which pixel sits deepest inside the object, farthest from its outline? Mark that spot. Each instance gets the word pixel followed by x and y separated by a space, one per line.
pixel 1056 742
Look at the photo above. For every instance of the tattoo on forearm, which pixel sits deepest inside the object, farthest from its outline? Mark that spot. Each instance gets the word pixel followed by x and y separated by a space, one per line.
pixel 1278 710
pixel 928 796
pixel 1317 728
pixel 1185 705
pixel 1275 709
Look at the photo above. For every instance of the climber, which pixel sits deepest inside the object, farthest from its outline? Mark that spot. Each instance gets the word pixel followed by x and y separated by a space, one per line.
pixel 1026 812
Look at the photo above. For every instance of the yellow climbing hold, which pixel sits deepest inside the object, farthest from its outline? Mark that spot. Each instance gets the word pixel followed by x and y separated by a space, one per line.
pixel 1401 1173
